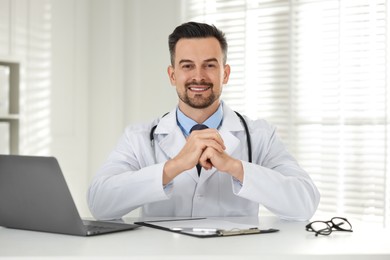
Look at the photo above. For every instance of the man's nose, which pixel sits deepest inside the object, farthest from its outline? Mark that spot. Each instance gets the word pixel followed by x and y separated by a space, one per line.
pixel 199 75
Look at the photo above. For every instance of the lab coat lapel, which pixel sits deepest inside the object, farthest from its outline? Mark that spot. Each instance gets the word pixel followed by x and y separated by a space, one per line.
pixel 172 145
pixel 172 140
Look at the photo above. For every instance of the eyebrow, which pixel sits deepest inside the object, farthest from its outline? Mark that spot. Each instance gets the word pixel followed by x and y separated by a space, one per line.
pixel 190 61
pixel 184 61
pixel 212 60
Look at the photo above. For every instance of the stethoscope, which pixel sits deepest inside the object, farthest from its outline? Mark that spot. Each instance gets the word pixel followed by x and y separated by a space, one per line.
pixel 248 137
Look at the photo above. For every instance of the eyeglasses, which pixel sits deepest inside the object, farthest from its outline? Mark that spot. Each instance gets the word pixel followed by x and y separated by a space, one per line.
pixel 326 227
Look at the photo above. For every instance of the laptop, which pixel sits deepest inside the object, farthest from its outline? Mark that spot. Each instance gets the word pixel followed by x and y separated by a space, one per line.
pixel 34 196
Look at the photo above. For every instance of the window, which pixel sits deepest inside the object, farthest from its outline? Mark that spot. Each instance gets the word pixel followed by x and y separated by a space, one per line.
pixel 317 70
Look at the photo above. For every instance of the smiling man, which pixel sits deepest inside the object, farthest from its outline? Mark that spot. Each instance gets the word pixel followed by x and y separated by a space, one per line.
pixel 202 159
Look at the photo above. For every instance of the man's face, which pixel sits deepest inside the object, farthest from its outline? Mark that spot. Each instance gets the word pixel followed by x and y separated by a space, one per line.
pixel 198 73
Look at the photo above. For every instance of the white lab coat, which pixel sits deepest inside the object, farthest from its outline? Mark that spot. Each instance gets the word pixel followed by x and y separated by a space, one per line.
pixel 132 176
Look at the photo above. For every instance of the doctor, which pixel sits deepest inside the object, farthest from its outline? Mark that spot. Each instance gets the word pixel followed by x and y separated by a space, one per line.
pixel 157 169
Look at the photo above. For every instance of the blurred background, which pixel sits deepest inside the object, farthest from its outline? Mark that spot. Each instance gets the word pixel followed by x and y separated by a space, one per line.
pixel 74 73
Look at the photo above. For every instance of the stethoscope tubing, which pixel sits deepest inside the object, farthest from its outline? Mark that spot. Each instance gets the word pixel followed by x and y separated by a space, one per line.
pixel 248 137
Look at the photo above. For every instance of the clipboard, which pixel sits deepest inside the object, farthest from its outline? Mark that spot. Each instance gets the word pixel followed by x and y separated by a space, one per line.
pixel 205 227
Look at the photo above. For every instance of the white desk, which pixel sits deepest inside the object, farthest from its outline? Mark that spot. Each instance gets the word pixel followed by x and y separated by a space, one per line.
pixel 292 242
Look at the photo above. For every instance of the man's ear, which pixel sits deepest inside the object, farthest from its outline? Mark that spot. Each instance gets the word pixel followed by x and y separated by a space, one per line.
pixel 171 75
pixel 226 74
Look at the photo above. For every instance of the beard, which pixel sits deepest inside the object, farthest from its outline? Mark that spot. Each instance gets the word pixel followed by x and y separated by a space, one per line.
pixel 198 101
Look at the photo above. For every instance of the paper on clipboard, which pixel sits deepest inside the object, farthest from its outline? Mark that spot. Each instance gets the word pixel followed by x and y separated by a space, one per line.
pixel 203 224
pixel 204 227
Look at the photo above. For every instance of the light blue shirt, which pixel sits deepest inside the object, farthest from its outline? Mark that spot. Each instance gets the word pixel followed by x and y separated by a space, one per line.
pixel 185 123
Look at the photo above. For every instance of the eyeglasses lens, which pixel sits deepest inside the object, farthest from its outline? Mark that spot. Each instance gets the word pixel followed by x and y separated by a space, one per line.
pixel 321 227
pixel 341 224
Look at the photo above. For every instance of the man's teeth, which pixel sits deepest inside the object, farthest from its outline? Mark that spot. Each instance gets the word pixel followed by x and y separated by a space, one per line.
pixel 199 88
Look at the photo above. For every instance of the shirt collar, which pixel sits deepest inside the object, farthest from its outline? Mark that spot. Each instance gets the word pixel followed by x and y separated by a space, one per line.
pixel 186 123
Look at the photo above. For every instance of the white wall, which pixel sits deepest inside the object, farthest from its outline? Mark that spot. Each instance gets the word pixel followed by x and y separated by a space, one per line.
pixel 107 74
pixel 70 93
pixel 148 92
pixel 109 61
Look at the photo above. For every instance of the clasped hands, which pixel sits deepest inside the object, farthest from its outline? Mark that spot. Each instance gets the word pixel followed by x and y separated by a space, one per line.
pixel 207 148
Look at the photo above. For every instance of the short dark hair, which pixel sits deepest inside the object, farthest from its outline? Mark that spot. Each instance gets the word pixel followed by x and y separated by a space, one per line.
pixel 196 30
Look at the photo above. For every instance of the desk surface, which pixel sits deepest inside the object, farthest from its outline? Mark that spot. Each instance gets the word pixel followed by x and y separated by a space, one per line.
pixel 292 242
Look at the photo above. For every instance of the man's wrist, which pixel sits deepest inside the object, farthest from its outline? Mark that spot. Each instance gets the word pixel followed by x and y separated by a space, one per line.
pixel 236 170
pixel 167 171
pixel 170 171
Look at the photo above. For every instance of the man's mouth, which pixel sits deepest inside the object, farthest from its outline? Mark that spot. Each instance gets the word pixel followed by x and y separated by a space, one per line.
pixel 199 87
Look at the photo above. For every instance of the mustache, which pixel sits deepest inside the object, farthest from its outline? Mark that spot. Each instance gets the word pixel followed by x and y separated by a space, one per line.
pixel 194 83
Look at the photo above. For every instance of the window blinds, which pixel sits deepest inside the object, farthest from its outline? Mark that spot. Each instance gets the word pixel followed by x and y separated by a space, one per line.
pixel 317 70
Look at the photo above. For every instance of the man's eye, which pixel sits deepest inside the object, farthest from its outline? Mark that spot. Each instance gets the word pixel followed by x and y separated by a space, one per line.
pixel 210 65
pixel 187 66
